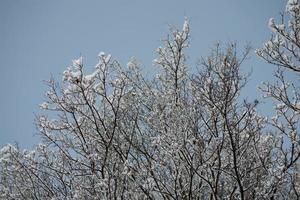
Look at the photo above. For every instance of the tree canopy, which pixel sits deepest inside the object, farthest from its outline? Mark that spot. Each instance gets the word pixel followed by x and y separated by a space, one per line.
pixel 117 133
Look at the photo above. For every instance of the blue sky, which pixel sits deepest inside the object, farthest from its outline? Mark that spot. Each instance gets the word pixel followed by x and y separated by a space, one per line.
pixel 40 38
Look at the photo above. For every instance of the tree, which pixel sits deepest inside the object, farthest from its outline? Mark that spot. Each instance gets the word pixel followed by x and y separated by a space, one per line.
pixel 118 134
pixel 283 51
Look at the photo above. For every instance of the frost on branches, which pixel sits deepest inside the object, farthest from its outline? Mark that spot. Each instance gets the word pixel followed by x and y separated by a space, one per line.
pixel 283 50
pixel 118 134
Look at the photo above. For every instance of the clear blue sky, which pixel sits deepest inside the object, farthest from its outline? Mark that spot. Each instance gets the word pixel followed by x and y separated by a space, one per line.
pixel 39 38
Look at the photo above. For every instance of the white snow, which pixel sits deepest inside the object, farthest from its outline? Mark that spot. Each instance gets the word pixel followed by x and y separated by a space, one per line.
pixel 272 25
pixel 292 5
pixel 186 26
pixel 281 27
pixel 78 62
pixel 131 65
pixel 44 105
pixel 91 77
pixel 107 58
pixel 76 74
pixel 101 54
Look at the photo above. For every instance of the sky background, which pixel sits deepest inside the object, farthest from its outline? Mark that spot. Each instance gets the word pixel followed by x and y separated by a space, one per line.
pixel 40 38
